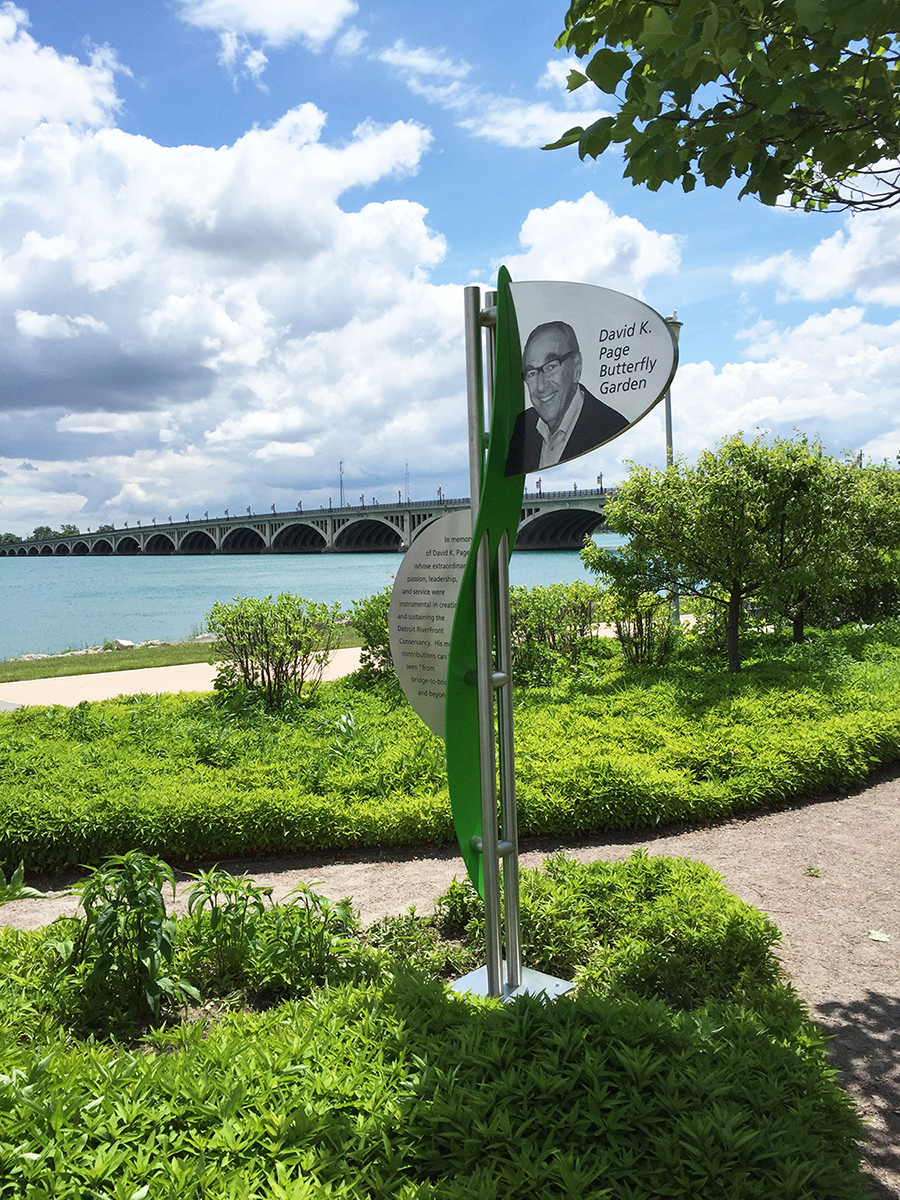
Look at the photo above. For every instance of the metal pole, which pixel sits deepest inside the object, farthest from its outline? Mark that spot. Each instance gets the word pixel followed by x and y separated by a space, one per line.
pixel 475 393
pixel 484 649
pixel 490 849
pixel 508 819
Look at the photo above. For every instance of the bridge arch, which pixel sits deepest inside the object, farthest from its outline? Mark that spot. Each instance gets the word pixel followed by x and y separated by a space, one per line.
pixel 81 548
pixel 298 538
pixel 47 551
pixel 559 529
pixel 128 545
pixel 22 551
pixel 159 543
pixel 62 549
pixel 33 551
pixel 243 541
pixel 366 536
pixel 197 541
pixel 101 547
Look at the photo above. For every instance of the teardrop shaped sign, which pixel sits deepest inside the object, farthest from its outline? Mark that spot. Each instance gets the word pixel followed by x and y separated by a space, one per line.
pixel 594 362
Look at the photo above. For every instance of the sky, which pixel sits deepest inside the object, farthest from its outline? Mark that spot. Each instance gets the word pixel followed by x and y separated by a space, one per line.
pixel 234 237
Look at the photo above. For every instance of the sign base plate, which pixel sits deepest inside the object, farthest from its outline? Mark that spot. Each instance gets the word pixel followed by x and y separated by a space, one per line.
pixel 534 983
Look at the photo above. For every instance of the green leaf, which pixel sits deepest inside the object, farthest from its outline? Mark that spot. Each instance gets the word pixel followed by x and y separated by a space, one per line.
pixel 877 936
pixel 607 68
pixel 569 138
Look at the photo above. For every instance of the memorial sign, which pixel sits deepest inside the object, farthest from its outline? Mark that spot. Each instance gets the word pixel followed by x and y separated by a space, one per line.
pixel 420 616
pixel 594 362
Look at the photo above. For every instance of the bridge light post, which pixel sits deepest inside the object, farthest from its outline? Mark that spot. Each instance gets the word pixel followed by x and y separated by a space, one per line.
pixel 206 515
pixel 226 512
pixel 539 488
pixel 248 510
pixel 600 482
pixel 273 509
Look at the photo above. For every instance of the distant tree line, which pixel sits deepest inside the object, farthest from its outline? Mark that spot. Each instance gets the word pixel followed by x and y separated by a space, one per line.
pixel 782 527
pixel 42 533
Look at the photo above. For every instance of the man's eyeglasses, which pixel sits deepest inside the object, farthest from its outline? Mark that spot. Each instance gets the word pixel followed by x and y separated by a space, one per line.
pixel 549 369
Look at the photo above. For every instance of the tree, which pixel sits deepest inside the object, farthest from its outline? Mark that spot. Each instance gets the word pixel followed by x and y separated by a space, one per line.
pixel 68 530
pixel 751 522
pixel 42 532
pixel 273 648
pixel 792 96
pixel 8 539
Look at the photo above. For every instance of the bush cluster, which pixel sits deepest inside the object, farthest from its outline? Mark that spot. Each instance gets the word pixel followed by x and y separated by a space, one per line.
pixel 380 1084
pixel 610 746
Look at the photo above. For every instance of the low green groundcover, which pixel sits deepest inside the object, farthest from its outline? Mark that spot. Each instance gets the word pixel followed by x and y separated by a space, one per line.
pixel 681 1068
pixel 608 747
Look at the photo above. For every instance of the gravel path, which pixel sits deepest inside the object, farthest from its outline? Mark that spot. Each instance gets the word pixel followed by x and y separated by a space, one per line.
pixel 827 872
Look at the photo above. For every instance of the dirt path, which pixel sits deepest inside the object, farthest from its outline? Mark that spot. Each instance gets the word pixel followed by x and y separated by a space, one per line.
pixel 828 873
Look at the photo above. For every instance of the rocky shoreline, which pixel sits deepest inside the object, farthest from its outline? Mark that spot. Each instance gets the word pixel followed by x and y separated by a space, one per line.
pixel 112 646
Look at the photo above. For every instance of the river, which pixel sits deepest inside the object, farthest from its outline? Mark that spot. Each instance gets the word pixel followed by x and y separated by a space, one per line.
pixel 49 605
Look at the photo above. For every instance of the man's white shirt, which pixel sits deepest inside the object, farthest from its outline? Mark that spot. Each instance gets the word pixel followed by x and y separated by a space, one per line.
pixel 555 443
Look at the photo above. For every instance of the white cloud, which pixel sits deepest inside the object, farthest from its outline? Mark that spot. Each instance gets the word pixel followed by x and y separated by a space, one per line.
pixel 584 241
pixel 110 422
pixel 506 120
pixel 53 325
pixel 273 22
pixel 37 84
pixel 861 259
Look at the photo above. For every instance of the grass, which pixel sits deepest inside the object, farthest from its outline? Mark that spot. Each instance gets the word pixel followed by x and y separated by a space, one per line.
pixel 609 747
pixel 682 1067
pixel 175 654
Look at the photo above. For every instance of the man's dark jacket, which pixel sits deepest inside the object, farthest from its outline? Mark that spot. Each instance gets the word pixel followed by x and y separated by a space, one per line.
pixel 596 423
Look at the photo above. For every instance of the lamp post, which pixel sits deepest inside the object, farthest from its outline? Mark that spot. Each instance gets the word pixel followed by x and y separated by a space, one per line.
pixel 675 326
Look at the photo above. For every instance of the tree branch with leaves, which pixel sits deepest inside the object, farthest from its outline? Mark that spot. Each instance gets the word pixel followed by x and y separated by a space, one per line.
pixel 797 98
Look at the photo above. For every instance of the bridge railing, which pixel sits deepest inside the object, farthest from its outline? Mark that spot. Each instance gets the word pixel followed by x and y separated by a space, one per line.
pixel 375 505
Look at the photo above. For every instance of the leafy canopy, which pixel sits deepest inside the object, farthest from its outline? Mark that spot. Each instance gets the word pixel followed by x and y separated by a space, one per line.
pixel 792 96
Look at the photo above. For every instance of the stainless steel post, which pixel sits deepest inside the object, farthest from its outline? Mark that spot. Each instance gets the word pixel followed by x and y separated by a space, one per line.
pixel 475 393
pixel 508 819
pixel 490 850
pixel 484 648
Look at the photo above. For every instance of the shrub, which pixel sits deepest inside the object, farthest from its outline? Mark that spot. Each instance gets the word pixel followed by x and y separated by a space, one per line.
pixel 551 628
pixel 273 647
pixel 369 617
pixel 643 626
pixel 227 908
pixel 126 942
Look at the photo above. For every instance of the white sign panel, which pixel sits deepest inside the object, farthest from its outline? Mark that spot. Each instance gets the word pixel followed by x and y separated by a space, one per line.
pixel 594 362
pixel 420 616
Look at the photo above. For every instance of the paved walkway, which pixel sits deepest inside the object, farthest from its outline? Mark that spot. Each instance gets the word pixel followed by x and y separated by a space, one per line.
pixel 70 690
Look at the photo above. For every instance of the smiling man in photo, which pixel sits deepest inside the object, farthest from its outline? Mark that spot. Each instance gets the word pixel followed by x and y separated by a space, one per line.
pixel 565 420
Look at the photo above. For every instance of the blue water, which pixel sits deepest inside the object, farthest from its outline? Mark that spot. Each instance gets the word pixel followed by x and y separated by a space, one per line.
pixel 48 605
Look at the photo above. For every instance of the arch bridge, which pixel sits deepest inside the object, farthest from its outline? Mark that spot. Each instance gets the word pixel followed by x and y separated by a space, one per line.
pixel 549 521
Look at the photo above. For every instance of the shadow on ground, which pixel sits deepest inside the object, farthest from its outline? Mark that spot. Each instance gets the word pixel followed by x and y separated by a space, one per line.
pixel 865 1047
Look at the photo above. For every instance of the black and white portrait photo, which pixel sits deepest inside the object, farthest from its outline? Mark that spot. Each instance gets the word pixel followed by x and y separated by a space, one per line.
pixel 564 419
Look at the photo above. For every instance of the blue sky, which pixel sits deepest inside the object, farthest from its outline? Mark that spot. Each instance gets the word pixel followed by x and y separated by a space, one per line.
pixel 234 236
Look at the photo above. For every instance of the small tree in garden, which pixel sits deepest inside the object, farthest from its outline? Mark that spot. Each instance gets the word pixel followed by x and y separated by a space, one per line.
pixel 750 522
pixel 275 648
